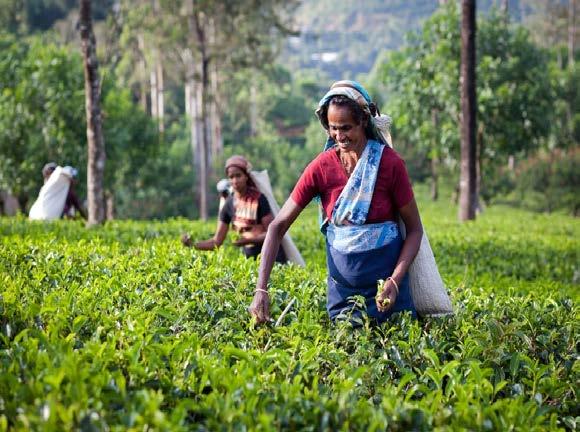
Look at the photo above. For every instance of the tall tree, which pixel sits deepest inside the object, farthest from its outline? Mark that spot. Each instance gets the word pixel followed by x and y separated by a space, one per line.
pixel 516 107
pixel 95 140
pixel 505 7
pixel 201 35
pixel 571 32
pixel 422 83
pixel 467 181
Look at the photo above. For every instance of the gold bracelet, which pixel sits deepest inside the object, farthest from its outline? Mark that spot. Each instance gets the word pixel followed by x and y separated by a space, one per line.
pixel 262 290
pixel 394 283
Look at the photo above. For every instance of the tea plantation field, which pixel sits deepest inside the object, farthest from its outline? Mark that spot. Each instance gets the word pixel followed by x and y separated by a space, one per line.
pixel 121 328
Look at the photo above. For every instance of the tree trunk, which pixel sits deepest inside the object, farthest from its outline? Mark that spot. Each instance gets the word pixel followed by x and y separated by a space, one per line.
pixel 205 172
pixel 216 139
pixel 253 110
pixel 109 205
pixel 467 182
pixel 434 179
pixel 217 145
pixel 160 97
pixel 571 32
pixel 188 89
pixel 208 125
pixel 154 98
pixel 96 142
pixel 511 163
pixel 142 73
pixel 434 157
pixel 157 78
pixel 201 152
pixel 193 103
pixel 10 205
pixel 157 96
pixel 479 169
pixel 190 103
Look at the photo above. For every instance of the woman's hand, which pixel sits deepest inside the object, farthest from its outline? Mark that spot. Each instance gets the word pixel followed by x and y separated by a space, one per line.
pixel 260 307
pixel 214 242
pixel 186 240
pixel 241 242
pixel 387 295
pixel 256 235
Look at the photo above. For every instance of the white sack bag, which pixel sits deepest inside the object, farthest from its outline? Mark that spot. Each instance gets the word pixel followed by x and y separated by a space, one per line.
pixel 52 196
pixel 262 181
pixel 427 289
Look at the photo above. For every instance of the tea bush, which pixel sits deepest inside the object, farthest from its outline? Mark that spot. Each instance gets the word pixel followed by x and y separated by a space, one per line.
pixel 121 328
pixel 550 181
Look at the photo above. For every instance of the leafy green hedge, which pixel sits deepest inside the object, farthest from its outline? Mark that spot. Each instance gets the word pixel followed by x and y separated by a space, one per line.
pixel 120 328
pixel 550 181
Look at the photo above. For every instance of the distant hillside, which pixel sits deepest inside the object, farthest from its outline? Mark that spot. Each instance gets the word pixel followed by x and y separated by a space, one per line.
pixel 343 38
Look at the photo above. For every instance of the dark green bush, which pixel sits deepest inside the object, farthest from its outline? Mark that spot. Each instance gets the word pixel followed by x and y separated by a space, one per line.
pixel 550 182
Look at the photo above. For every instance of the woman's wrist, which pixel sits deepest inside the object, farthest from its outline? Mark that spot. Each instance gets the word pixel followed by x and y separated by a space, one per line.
pixel 395 284
pixel 261 290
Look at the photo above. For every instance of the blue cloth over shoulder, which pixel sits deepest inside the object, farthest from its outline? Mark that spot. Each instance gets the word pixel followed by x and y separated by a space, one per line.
pixel 360 254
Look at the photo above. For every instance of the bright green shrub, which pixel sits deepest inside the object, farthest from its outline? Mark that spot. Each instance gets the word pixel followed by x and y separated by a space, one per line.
pixel 121 328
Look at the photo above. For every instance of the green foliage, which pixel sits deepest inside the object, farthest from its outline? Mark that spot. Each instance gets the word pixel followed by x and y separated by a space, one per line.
pixel 29 16
pixel 121 328
pixel 566 118
pixel 164 185
pixel 515 98
pixel 42 115
pixel 420 83
pixel 284 161
pixel 418 86
pixel 132 142
pixel 42 118
pixel 284 106
pixel 550 181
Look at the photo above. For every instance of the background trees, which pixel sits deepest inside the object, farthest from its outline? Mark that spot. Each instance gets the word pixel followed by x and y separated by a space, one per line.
pixel 520 108
pixel 260 90
pixel 42 119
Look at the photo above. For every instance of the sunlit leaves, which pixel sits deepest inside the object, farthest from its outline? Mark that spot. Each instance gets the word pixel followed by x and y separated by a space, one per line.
pixel 121 327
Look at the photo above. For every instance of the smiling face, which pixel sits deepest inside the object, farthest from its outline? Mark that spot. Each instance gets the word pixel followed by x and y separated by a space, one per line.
pixel 238 179
pixel 344 129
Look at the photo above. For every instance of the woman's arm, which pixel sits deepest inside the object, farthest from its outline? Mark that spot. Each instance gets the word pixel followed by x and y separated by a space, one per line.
pixel 216 241
pixel 73 200
pixel 414 229
pixel 410 215
pixel 258 236
pixel 260 307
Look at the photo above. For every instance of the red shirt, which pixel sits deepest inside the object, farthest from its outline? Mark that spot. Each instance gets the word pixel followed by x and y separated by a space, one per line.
pixel 325 176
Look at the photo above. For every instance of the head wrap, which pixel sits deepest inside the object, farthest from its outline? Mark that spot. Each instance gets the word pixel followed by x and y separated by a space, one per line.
pixel 70 172
pixel 223 185
pixel 48 168
pixel 239 162
pixel 350 89
pixel 379 124
pixel 243 164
